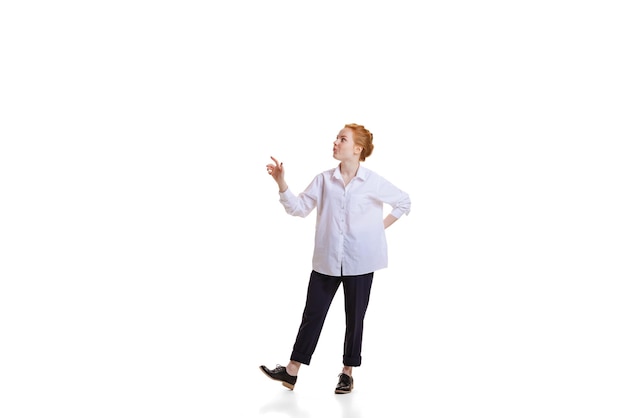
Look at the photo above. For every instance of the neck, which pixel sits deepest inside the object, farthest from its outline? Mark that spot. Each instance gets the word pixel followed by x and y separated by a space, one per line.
pixel 349 168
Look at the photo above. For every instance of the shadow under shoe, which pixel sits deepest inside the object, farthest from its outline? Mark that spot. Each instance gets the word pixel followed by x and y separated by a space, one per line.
pixel 345 384
pixel 280 374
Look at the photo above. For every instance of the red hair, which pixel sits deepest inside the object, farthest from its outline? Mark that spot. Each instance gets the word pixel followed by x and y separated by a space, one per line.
pixel 363 138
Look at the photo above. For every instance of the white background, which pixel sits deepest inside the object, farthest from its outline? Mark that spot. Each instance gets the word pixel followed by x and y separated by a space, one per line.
pixel 147 268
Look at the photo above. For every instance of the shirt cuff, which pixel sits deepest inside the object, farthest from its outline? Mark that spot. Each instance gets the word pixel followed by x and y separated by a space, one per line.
pixel 286 195
pixel 397 212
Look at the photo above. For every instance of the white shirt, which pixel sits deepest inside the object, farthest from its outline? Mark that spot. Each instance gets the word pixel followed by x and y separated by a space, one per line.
pixel 349 230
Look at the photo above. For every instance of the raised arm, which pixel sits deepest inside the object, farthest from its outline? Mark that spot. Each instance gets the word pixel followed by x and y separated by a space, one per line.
pixel 277 172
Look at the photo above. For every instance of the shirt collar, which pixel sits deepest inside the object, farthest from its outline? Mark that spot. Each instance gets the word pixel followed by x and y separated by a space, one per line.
pixel 361 173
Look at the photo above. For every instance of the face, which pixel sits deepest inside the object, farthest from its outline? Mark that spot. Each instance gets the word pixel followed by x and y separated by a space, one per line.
pixel 344 147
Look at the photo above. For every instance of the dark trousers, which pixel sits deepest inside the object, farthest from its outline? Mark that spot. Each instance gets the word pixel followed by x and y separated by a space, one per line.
pixel 320 294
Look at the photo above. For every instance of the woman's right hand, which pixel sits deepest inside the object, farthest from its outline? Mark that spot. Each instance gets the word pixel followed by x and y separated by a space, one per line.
pixel 277 172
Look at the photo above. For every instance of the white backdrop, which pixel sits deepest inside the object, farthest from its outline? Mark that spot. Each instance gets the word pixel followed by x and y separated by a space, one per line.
pixel 147 268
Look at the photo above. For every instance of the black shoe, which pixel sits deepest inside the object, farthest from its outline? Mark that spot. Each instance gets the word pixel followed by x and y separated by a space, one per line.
pixel 280 373
pixel 345 385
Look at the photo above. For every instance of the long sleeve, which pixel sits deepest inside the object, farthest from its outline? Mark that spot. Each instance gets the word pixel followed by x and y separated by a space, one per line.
pixel 396 198
pixel 305 202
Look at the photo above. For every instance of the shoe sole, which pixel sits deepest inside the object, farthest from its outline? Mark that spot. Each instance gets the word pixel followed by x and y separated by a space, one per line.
pixel 285 384
pixel 340 391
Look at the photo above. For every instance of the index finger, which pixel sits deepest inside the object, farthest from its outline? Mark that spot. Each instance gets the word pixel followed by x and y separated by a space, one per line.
pixel 275 160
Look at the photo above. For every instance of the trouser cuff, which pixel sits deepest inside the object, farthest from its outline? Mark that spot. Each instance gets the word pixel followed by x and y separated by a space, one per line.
pixel 352 361
pixel 300 358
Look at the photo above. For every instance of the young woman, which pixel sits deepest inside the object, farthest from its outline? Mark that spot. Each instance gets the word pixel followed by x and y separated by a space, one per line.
pixel 350 246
